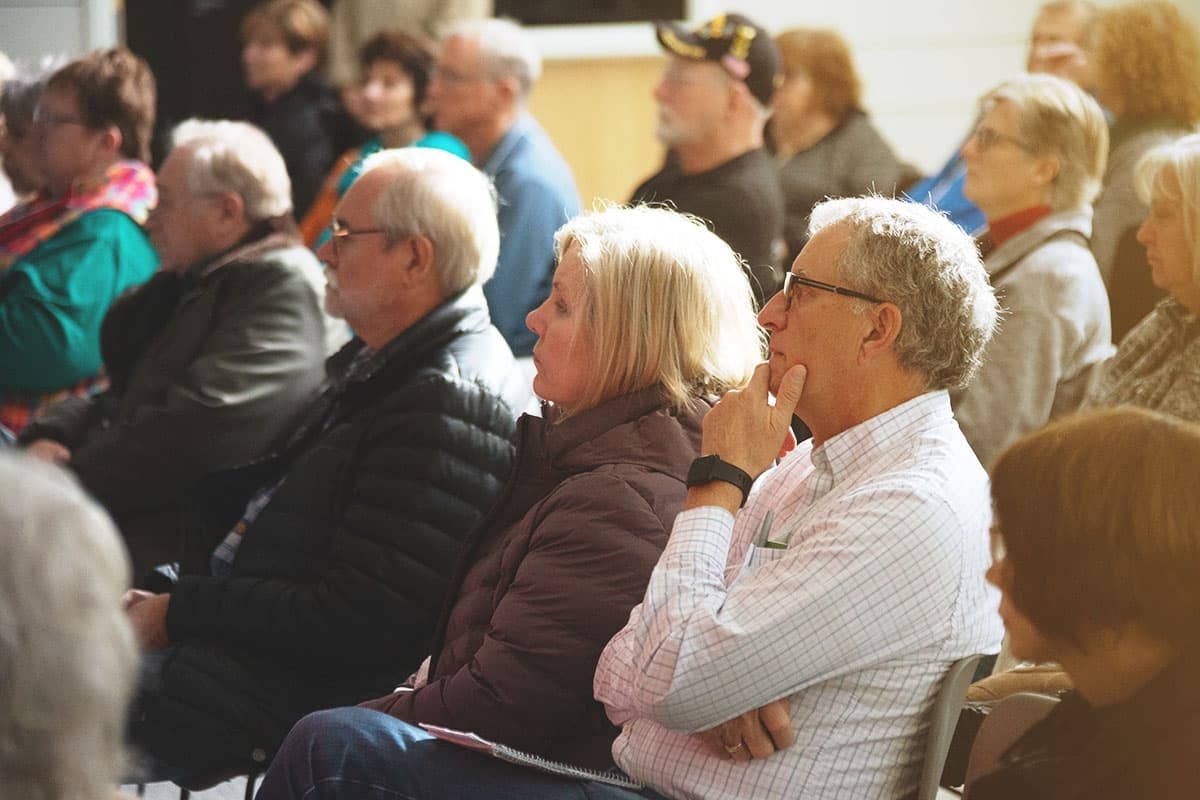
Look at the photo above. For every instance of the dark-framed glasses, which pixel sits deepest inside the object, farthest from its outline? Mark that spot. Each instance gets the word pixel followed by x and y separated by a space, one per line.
pixel 792 281
pixel 339 232
pixel 986 138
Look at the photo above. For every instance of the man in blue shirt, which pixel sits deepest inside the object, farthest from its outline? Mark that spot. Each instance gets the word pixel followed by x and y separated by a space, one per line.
pixel 478 92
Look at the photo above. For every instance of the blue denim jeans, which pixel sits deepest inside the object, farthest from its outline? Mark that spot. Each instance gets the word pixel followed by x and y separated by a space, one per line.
pixel 360 754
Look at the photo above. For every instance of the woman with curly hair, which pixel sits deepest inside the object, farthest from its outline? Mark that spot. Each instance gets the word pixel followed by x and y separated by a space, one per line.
pixel 1147 61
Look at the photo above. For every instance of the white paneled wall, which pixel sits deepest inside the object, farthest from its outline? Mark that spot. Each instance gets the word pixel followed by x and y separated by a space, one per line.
pixel 923 62
pixel 30 29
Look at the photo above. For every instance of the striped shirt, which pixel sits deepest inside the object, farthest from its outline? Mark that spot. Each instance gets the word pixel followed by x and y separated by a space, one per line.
pixel 879 590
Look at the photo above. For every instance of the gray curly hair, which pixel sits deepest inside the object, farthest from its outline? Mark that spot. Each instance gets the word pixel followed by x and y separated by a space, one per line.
pixel 927 266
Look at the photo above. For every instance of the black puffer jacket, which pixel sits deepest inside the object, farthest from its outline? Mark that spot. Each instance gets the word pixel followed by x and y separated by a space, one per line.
pixel 551 575
pixel 209 369
pixel 337 584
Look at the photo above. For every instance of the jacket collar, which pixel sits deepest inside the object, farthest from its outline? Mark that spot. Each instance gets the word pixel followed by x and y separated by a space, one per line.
pixel 270 234
pixel 465 312
pixel 1071 220
pixel 587 439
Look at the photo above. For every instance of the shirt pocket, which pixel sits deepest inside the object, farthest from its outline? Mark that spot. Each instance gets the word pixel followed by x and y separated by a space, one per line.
pixel 761 556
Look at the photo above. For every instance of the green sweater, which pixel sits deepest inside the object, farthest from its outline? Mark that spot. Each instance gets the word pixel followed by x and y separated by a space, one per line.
pixel 53 300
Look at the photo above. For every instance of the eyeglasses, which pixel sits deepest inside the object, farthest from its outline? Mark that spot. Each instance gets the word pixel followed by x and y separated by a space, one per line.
pixel 447 75
pixel 338 232
pixel 791 282
pixel 986 138
pixel 45 119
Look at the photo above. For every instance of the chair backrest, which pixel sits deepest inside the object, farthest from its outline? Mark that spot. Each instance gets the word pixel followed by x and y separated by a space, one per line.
pixel 942 722
pixel 1008 721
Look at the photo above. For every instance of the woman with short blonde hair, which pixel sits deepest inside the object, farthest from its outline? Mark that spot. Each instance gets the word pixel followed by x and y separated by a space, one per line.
pixel 650 314
pixel 1158 363
pixel 1034 164
pixel 662 304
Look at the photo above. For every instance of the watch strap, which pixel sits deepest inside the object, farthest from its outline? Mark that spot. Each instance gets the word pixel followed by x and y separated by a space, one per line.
pixel 706 469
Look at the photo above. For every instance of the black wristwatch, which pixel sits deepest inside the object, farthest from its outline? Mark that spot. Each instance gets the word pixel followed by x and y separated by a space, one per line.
pixel 707 469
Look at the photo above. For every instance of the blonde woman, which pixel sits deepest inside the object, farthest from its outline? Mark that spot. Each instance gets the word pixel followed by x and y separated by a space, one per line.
pixel 1158 364
pixel 649 316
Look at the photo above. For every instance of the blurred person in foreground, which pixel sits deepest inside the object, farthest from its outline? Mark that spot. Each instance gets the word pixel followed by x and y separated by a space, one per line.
pixel 327 560
pixel 650 319
pixel 1034 165
pixel 1097 554
pixel 67 653
pixel 66 254
pixel 211 362
pixel 1146 61
pixel 394 71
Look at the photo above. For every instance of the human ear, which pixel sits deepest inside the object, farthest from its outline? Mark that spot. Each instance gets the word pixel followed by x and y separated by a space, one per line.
pixel 886 321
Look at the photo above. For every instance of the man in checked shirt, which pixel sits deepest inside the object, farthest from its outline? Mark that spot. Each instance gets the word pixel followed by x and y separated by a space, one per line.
pixel 816 617
pixel 791 642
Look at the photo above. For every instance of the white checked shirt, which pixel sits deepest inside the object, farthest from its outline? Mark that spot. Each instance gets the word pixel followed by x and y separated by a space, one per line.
pixel 880 589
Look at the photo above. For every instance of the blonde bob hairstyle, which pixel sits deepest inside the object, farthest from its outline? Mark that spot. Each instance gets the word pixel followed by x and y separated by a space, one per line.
pixel 1060 120
pixel 1180 158
pixel 1097 513
pixel 666 302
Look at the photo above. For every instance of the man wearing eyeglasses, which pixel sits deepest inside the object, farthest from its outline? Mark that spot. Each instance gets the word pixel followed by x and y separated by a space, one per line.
pixel 479 92
pixel 333 553
pixel 713 103
pixel 804 612
pixel 213 360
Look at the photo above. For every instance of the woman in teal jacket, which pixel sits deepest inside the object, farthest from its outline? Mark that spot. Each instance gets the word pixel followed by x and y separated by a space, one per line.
pixel 66 254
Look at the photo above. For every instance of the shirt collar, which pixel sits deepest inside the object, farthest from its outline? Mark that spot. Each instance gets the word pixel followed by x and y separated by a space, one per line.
pixel 844 452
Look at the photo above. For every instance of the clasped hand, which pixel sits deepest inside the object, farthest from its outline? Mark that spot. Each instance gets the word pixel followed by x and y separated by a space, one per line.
pixel 755 734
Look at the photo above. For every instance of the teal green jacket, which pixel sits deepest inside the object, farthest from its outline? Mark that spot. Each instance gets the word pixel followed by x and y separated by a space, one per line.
pixel 53 300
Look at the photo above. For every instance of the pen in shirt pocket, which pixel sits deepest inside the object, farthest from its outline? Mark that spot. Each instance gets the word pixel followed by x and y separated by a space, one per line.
pixel 765 531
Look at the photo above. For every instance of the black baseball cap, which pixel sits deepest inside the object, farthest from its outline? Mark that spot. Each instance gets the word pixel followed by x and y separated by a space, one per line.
pixel 744 49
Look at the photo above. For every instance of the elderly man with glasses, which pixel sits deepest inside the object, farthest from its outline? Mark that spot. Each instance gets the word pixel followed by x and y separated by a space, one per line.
pixel 332 555
pixel 812 607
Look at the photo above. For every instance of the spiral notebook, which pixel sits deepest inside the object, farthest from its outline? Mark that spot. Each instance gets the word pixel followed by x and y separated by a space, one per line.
pixel 512 755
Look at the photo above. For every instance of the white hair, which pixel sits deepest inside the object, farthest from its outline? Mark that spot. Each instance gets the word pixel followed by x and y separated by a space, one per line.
pixel 1057 118
pixel 506 50
pixel 68 660
pixel 1180 158
pixel 916 258
pixel 236 157
pixel 444 198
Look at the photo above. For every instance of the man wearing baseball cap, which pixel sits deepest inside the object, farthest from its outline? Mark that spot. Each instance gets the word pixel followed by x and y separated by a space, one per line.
pixel 713 102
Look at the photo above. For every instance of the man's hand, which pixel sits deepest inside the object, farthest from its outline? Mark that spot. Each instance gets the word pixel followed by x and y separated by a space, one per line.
pixel 49 450
pixel 745 429
pixel 147 613
pixel 755 734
